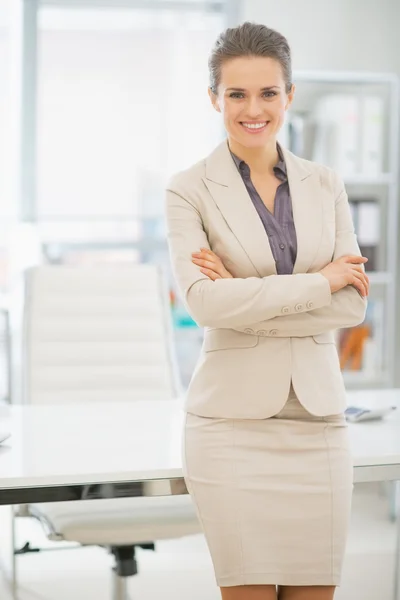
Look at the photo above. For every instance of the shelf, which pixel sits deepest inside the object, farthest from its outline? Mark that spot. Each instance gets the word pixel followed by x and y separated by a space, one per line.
pixel 361 77
pixel 361 379
pixel 379 277
pixel 144 245
pixel 379 179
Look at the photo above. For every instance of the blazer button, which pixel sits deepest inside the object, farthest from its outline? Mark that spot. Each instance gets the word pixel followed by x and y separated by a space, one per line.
pixel 273 332
pixel 310 304
pixel 299 307
pixel 285 309
pixel 261 332
pixel 248 330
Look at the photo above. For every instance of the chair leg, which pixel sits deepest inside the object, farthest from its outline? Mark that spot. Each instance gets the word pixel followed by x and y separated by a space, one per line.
pixel 120 587
pixel 125 566
pixel 8 562
pixel 11 575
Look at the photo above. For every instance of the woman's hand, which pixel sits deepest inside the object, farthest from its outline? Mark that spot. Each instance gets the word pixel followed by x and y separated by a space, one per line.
pixel 347 270
pixel 343 271
pixel 210 264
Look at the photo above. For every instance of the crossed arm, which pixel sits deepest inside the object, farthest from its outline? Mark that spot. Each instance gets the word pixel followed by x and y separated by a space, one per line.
pixel 255 302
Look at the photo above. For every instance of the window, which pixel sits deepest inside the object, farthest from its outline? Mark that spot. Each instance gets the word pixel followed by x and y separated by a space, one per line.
pixel 122 104
pixel 8 208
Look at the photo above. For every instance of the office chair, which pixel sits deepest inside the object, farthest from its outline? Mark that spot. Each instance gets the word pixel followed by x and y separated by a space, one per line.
pixel 92 317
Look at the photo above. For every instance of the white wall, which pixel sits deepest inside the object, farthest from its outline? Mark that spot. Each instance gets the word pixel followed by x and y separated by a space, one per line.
pixel 334 34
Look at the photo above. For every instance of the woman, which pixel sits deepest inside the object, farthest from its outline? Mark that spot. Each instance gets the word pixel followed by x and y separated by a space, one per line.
pixel 264 252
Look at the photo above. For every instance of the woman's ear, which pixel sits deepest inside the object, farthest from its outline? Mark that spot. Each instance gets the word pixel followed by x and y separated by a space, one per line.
pixel 214 100
pixel 290 96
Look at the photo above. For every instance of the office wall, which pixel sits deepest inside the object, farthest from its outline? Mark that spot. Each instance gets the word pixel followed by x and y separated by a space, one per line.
pixel 334 34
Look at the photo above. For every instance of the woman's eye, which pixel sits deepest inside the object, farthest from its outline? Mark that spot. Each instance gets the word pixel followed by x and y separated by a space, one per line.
pixel 239 95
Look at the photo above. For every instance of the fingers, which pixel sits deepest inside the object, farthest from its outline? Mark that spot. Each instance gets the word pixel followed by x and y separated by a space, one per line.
pixel 211 274
pixel 203 252
pixel 361 282
pixel 209 266
pixel 359 278
pixel 209 263
pixel 359 274
pixel 206 258
pixel 359 268
pixel 350 258
pixel 356 269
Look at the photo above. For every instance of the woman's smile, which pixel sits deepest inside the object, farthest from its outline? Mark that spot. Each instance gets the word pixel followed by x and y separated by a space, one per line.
pixel 254 127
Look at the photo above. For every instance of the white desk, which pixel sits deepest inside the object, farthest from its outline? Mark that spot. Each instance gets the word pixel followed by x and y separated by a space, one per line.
pixel 78 452
pixel 59 452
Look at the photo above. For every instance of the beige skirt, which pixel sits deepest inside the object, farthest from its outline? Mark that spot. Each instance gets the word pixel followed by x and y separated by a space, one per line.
pixel 273 495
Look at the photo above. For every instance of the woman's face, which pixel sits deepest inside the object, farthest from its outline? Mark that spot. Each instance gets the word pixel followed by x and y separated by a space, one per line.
pixel 252 99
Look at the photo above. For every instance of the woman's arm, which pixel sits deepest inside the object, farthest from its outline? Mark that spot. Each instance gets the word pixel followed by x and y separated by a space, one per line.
pixel 231 303
pixel 345 310
pixel 347 307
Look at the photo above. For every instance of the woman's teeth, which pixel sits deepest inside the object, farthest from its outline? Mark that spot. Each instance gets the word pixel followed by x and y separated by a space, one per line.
pixel 254 125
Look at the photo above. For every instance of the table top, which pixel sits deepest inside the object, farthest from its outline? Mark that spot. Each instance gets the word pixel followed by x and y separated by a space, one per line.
pixel 141 440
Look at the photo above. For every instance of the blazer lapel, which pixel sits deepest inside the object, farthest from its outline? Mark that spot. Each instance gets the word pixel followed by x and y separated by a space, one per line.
pixel 305 192
pixel 226 186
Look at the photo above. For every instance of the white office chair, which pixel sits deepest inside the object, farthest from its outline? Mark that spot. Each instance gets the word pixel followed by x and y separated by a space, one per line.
pixel 110 324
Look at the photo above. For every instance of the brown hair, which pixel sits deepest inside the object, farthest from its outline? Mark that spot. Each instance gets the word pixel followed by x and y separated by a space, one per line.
pixel 249 39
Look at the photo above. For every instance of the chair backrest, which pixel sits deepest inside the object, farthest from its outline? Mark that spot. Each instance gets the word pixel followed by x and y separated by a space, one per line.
pixel 101 333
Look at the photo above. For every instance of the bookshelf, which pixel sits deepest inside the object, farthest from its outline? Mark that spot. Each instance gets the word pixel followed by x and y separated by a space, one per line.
pixel 370 142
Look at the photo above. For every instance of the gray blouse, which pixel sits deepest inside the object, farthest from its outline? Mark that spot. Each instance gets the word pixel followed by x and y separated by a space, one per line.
pixel 280 225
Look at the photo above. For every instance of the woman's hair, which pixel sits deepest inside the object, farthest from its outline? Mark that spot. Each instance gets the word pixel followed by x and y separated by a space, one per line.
pixel 249 39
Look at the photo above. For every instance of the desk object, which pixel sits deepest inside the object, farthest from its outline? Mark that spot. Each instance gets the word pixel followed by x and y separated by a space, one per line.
pixel 357 414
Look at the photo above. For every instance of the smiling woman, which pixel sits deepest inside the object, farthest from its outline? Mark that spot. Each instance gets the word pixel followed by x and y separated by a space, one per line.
pixel 253 113
pixel 252 89
pixel 264 252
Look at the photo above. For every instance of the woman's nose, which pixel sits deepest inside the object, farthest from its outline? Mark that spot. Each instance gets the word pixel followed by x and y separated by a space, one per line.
pixel 254 108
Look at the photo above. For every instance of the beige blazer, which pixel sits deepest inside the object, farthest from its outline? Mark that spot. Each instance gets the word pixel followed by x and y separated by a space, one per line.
pixel 262 330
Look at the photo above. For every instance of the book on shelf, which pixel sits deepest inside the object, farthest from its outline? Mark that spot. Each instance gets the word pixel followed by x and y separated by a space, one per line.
pixel 294 134
pixel 372 142
pixel 366 214
pixel 336 119
pixel 343 131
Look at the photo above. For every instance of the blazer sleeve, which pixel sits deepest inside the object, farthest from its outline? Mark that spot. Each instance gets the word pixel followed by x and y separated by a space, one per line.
pixel 230 303
pixel 347 307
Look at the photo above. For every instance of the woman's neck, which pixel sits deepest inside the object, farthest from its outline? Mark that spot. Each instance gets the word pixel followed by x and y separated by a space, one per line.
pixel 259 160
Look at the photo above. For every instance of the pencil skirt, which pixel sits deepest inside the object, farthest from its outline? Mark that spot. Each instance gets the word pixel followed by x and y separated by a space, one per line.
pixel 273 496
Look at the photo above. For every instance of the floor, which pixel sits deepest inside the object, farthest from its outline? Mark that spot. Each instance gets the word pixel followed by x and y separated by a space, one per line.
pixel 181 569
